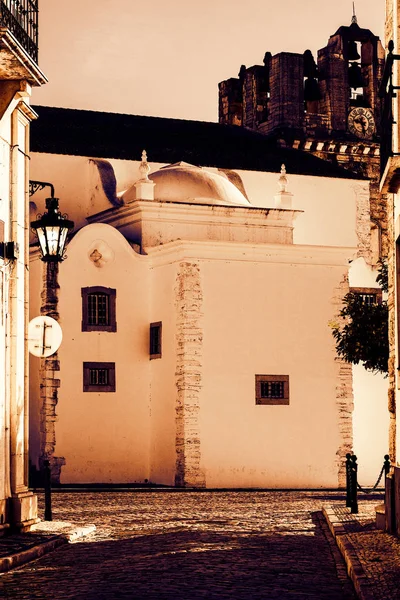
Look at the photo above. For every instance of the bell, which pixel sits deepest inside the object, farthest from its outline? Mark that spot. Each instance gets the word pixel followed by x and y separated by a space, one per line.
pixel 310 68
pixel 311 89
pixel 352 52
pixel 355 76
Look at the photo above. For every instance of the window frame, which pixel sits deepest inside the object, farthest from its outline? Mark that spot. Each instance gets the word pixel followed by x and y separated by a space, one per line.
pixel 111 293
pixel 260 400
pixel 368 291
pixel 88 366
pixel 156 325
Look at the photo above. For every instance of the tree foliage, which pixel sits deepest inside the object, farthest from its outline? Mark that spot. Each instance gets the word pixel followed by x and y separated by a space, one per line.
pixel 363 338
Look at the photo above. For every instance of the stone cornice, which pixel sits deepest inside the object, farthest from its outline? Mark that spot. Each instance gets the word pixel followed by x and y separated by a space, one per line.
pixel 242 252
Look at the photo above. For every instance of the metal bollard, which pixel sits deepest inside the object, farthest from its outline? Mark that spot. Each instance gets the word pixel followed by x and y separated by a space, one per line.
pixel 386 464
pixel 47 491
pixel 348 482
pixel 353 484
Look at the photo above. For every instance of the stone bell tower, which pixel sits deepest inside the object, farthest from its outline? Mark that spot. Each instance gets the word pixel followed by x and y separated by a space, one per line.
pixel 329 106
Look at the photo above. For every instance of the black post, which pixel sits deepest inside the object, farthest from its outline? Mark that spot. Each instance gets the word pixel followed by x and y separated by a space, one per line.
pixel 386 464
pixel 353 486
pixel 348 481
pixel 47 491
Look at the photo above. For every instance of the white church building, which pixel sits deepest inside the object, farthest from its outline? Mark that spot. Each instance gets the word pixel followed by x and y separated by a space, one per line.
pixel 195 302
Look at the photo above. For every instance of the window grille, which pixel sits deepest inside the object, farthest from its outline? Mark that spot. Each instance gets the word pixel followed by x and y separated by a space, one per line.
pixel 99 377
pixel 367 299
pixel 368 296
pixel 272 389
pixel 99 309
pixel 155 339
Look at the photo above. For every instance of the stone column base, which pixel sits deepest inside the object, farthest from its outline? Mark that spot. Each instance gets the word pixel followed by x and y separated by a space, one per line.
pixel 23 511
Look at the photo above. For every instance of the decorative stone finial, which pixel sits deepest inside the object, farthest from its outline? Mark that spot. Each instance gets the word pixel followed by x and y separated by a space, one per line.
pixel 354 18
pixel 144 167
pixel 283 199
pixel 283 181
pixel 144 186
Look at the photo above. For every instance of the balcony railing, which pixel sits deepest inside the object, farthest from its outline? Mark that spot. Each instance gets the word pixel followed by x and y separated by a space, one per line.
pixel 21 18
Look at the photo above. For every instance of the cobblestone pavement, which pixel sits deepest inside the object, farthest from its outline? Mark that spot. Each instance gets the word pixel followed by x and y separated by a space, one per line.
pixel 374 554
pixel 189 545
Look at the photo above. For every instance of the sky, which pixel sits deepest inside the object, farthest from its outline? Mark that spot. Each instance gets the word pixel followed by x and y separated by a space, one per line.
pixel 165 57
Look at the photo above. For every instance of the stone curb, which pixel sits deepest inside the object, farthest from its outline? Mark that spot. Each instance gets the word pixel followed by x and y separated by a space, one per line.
pixel 362 585
pixel 69 534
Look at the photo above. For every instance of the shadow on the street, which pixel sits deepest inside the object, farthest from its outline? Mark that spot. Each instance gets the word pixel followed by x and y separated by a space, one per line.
pixel 186 564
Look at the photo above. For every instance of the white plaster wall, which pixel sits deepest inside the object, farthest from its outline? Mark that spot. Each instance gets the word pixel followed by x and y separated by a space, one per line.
pixel 266 318
pixel 371 417
pixel 371 423
pixel 77 183
pixel 162 373
pixel 104 437
pixel 329 204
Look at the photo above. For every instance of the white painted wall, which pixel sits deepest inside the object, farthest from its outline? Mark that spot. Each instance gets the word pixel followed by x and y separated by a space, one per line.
pixel 162 376
pixel 330 213
pixel 269 317
pixel 104 437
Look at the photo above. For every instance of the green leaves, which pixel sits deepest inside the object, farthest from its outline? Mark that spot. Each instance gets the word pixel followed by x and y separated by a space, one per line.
pixel 364 336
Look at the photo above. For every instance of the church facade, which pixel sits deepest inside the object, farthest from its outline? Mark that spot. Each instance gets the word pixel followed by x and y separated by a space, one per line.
pixel 200 287
pixel 214 365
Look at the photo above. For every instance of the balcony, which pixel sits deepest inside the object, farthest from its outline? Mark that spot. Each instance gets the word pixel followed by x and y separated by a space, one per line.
pixel 19 42
pixel 20 17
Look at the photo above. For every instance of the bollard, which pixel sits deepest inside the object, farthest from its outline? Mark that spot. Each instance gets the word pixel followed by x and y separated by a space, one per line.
pixel 353 484
pixel 47 491
pixel 348 482
pixel 386 464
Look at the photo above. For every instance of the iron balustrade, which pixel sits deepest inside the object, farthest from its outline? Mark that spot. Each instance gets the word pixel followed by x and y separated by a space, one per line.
pixel 21 18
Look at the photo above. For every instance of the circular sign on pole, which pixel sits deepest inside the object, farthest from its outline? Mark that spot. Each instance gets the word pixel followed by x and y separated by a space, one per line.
pixel 44 336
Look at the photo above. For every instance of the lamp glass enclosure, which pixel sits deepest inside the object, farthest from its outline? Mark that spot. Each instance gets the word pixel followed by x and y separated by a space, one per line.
pixel 52 230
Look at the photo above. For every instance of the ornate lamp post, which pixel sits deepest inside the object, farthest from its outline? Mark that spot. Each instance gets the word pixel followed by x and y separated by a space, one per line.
pixel 51 229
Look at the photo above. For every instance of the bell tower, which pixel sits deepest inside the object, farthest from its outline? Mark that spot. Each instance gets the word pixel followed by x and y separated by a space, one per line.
pixel 350 69
pixel 329 107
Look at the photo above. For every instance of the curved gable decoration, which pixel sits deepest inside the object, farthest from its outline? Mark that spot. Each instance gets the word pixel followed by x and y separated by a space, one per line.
pixel 108 180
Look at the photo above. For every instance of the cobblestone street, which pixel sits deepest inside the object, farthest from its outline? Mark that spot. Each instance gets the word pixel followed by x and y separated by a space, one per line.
pixel 189 545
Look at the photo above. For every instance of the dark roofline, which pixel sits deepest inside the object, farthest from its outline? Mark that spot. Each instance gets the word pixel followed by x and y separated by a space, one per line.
pixel 98 134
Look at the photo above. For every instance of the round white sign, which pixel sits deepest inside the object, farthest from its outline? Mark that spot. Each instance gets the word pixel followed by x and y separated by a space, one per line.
pixel 44 336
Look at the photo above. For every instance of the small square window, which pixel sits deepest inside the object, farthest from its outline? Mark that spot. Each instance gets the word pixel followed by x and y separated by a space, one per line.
pixel 99 377
pixel 368 296
pixel 155 340
pixel 98 309
pixel 272 389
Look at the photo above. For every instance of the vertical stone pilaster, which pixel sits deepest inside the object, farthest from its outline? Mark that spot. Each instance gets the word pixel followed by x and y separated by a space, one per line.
pixel 188 375
pixel 363 223
pixel 344 394
pixel 49 382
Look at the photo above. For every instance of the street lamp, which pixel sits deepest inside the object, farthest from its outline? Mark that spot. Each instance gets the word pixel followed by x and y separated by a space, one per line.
pixel 51 229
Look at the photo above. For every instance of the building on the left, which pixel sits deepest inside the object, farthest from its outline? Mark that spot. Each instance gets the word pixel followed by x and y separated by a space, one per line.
pixel 19 71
